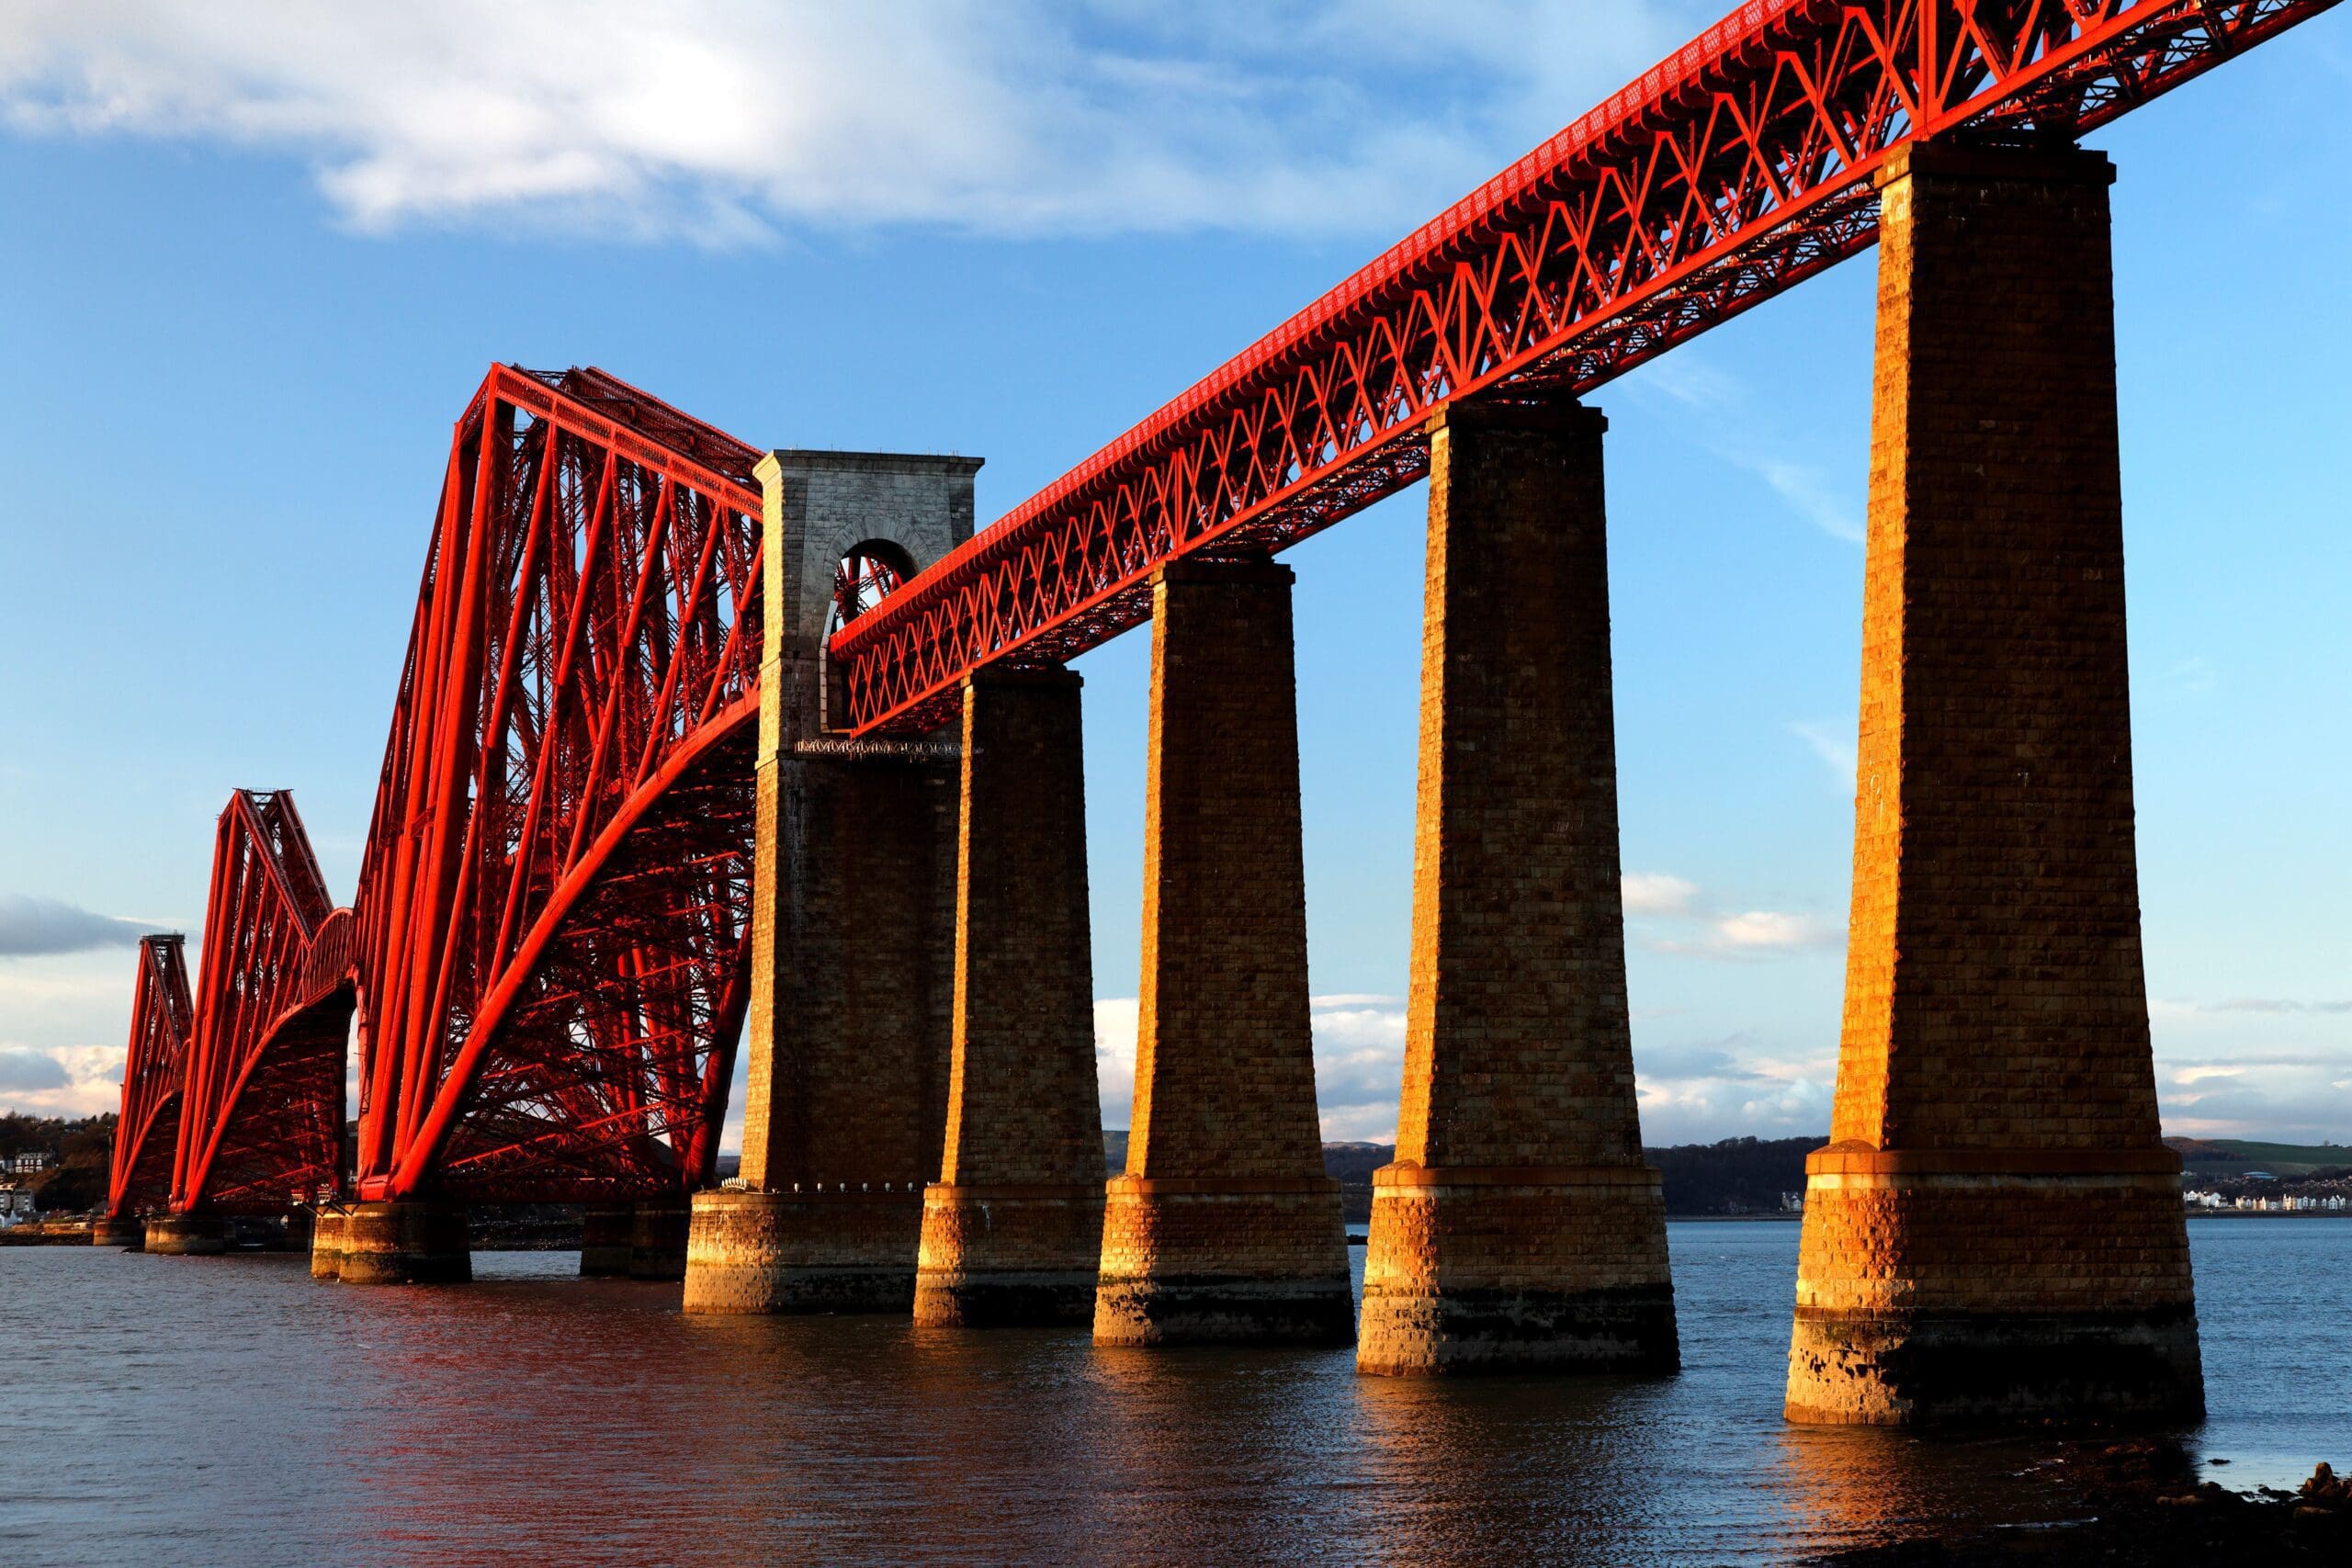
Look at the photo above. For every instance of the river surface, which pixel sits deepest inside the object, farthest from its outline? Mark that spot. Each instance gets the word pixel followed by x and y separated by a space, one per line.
pixel 231 1411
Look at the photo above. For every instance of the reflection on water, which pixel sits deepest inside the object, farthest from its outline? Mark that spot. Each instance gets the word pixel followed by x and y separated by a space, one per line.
pixel 229 1411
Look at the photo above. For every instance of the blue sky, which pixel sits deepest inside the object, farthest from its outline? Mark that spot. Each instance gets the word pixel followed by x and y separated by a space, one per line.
pixel 258 256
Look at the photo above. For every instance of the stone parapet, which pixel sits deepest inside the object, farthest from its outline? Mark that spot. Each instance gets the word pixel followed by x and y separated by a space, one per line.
pixel 817 1251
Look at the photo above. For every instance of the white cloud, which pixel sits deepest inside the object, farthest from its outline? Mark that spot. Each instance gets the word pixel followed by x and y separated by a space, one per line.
pixel 1835 745
pixel 723 119
pixel 1115 1058
pixel 33 927
pixel 61 1080
pixel 1655 893
pixel 1695 1093
pixel 1774 930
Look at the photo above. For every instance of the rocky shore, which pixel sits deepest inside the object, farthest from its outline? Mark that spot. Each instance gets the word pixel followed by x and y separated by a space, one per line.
pixel 2146 1509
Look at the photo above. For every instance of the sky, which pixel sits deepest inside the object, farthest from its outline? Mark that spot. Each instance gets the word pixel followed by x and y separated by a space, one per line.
pixel 257 257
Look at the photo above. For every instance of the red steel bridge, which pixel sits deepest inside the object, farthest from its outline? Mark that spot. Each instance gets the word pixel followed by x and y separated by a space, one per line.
pixel 548 953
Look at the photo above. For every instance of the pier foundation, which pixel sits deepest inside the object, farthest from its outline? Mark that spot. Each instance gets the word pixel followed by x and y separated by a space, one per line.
pixel 416 1241
pixel 606 1232
pixel 326 1244
pixel 657 1239
pixel 188 1235
pixel 118 1230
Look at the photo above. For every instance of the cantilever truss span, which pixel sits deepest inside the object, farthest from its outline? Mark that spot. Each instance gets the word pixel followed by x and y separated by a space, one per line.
pixel 1731 170
pixel 556 893
pixel 261 1088
pixel 146 1140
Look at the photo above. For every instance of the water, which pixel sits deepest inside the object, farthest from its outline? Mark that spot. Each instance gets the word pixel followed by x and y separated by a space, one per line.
pixel 231 1411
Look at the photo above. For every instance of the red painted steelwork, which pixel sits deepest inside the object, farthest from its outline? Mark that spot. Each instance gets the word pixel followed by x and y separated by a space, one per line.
pixel 261 1094
pixel 556 892
pixel 146 1139
pixel 1731 170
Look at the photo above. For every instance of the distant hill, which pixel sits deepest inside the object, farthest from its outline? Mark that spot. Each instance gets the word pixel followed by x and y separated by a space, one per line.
pixel 2229 1157
pixel 1738 1176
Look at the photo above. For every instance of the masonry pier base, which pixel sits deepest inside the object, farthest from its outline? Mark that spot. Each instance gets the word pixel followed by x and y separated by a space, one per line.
pixel 326 1244
pixel 1190 1261
pixel 116 1230
pixel 188 1235
pixel 416 1241
pixel 605 1232
pixel 839 1251
pixel 1517 1269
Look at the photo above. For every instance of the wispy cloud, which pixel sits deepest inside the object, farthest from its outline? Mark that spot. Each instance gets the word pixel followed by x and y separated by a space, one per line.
pixel 2194 675
pixel 1739 429
pixel 1674 916
pixel 33 927
pixel 2275 1006
pixel 1834 743
pixel 1695 1092
pixel 724 120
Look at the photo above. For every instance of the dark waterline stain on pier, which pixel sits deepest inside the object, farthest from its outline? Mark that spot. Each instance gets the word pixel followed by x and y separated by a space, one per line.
pixel 229 1411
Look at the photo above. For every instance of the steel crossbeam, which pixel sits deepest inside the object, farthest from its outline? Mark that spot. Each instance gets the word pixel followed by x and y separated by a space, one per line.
pixel 1730 172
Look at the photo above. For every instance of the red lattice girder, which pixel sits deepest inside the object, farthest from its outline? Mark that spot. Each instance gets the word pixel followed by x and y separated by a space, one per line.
pixel 556 893
pixel 1730 172
pixel 261 1118
pixel 146 1140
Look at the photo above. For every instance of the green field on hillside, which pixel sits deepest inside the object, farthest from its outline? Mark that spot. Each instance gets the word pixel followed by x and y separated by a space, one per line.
pixel 2219 1156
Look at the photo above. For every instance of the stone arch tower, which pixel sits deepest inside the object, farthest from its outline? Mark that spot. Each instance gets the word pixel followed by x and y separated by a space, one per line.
pixel 822 505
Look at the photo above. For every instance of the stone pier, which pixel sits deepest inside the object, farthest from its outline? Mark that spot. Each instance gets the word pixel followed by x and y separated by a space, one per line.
pixel 848 1037
pixel 1012 1230
pixel 657 1237
pixel 1223 1226
pixel 118 1230
pixel 847 1102
pixel 186 1235
pixel 326 1244
pixel 644 1240
pixel 1519 1228
pixel 416 1241
pixel 605 1232
pixel 1995 1231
